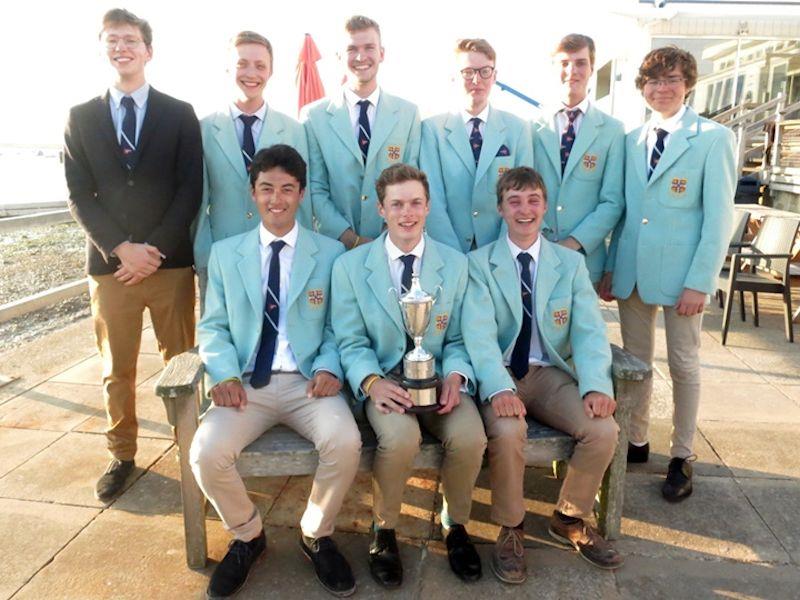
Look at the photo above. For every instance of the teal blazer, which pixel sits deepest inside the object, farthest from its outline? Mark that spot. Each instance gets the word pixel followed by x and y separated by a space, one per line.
pixel 227 207
pixel 342 187
pixel 230 329
pixel 587 201
pixel 677 225
pixel 571 327
pixel 367 320
pixel 463 196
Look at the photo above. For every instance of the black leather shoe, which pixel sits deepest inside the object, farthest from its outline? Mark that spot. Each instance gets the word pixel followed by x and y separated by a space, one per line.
pixel 384 559
pixel 678 485
pixel 464 559
pixel 112 481
pixel 638 454
pixel 232 571
pixel 333 570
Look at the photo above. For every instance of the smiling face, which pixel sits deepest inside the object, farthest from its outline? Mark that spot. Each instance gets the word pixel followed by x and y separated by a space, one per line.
pixel 667 97
pixel 404 208
pixel 277 195
pixel 363 54
pixel 253 68
pixel 523 211
pixel 476 89
pixel 574 72
pixel 126 52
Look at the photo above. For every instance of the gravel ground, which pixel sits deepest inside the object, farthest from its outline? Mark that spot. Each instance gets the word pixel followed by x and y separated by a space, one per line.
pixel 36 260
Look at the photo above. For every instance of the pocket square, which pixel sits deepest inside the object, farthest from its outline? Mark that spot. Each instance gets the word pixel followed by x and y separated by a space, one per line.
pixel 503 151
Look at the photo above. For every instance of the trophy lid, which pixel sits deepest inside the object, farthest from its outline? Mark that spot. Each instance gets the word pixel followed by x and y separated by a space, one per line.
pixel 415 294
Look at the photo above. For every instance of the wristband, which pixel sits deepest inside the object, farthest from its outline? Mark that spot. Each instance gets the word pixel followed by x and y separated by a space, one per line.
pixel 369 383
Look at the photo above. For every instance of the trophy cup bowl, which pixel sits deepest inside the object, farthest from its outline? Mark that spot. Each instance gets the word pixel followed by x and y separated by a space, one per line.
pixel 419 367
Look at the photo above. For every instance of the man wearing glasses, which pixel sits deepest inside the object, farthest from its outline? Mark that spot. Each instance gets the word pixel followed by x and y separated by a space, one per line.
pixel 134 168
pixel 580 153
pixel 465 152
pixel 680 175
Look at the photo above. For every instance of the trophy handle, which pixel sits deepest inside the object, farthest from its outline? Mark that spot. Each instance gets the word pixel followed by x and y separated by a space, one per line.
pixel 391 291
pixel 438 293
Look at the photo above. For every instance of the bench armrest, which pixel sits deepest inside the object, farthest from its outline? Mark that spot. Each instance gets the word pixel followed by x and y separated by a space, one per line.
pixel 626 367
pixel 179 381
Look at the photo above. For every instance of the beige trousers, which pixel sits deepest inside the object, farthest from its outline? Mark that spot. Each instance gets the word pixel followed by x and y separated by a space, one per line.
pixel 117 311
pixel 224 432
pixel 551 397
pixel 638 321
pixel 461 433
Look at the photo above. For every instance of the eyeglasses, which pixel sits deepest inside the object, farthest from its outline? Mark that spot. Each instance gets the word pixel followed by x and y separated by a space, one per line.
pixel 673 81
pixel 126 42
pixel 483 72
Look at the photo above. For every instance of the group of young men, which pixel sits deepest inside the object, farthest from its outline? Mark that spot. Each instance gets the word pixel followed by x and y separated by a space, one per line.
pixel 303 236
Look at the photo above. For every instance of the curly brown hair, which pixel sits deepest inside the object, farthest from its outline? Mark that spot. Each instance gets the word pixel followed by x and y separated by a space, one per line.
pixel 661 61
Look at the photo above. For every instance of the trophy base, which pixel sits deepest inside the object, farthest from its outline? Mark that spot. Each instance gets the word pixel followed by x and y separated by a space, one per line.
pixel 423 394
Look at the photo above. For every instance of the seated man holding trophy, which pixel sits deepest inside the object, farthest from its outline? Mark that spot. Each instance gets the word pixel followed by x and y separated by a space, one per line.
pixel 537 342
pixel 385 296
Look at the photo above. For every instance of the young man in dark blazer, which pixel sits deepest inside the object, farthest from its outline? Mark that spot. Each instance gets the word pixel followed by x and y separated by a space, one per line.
pixel 134 169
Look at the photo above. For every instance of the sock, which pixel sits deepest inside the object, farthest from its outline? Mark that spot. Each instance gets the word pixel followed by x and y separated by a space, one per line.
pixel 566 519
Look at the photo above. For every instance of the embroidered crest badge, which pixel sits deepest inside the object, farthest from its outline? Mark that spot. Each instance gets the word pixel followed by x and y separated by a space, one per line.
pixel 678 186
pixel 441 322
pixel 560 317
pixel 393 152
pixel 589 162
pixel 501 170
pixel 316 297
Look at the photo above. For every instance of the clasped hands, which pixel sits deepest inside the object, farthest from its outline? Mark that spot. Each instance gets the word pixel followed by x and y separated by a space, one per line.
pixel 137 262
pixel 390 397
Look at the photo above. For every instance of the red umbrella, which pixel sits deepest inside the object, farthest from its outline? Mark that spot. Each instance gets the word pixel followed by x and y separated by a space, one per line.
pixel 309 84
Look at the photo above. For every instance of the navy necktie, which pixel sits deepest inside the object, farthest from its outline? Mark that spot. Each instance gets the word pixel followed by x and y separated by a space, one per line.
pixel 127 141
pixel 476 139
pixel 262 371
pixel 568 137
pixel 248 144
pixel 405 285
pixel 363 129
pixel 658 150
pixel 522 348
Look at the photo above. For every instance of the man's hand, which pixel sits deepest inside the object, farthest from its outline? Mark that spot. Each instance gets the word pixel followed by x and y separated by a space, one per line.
pixel 571 243
pixel 690 303
pixel 508 404
pixel 597 404
pixel 451 393
pixel 389 397
pixel 604 287
pixel 137 260
pixel 323 384
pixel 124 276
pixel 350 239
pixel 229 393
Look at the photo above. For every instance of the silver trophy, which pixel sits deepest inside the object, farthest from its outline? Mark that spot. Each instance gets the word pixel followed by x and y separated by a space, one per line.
pixel 419 370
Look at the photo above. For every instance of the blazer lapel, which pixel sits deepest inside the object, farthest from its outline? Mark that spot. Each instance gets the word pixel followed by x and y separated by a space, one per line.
pixel 677 144
pixel 587 133
pixel 551 140
pixel 493 135
pixel 225 136
pixel 341 126
pixel 270 132
pixel 385 121
pixel 640 157
pixel 431 277
pixel 546 279
pixel 107 127
pixel 504 271
pixel 458 140
pixel 303 264
pixel 380 282
pixel 152 116
pixel 249 267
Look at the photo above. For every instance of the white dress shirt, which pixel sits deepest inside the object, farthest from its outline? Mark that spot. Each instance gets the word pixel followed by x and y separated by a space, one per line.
pixel 562 120
pixel 467 118
pixel 238 125
pixel 118 111
pixel 351 99
pixel 537 354
pixel 284 359
pixel 396 266
pixel 671 125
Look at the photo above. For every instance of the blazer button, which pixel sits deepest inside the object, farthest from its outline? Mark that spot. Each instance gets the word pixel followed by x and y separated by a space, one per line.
pixel 364 197
pixel 559 208
pixel 130 183
pixel 249 215
pixel 474 213
pixel 645 221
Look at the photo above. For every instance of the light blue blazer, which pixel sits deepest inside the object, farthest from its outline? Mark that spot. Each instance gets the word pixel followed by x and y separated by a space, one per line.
pixel 230 330
pixel 227 207
pixel 366 314
pixel 587 201
pixel 571 327
pixel 677 225
pixel 342 187
pixel 463 196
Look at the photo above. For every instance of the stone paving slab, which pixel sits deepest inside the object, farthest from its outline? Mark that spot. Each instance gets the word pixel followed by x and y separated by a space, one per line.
pixel 32 533
pixel 793 391
pixel 715 522
pixel 746 402
pixel 54 407
pixel 780 365
pixel 777 501
pixel 67 470
pixel 766 450
pixel 90 371
pixel 18 445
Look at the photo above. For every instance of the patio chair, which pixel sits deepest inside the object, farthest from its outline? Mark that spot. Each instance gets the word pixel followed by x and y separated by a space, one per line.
pixel 741 219
pixel 768 259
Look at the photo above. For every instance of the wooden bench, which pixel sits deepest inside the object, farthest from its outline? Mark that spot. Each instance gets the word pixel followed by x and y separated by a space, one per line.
pixel 280 451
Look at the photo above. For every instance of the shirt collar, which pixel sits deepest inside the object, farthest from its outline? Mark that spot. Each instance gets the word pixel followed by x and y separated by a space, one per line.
pixel 352 99
pixel 139 96
pixel 671 125
pixel 266 237
pixel 533 250
pixel 583 106
pixel 261 113
pixel 394 252
pixel 483 115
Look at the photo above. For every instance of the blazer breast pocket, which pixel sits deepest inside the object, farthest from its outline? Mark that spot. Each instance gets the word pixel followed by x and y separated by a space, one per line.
pixel 313 300
pixel 556 317
pixel 590 166
pixel 680 188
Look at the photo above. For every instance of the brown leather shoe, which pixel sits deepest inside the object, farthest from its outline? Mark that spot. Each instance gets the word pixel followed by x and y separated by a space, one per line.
pixel 508 558
pixel 587 541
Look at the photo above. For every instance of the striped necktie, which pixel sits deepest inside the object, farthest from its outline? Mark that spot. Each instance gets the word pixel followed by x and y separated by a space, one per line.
pixel 127 138
pixel 658 150
pixel 262 371
pixel 363 129
pixel 522 347
pixel 568 137
pixel 248 144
